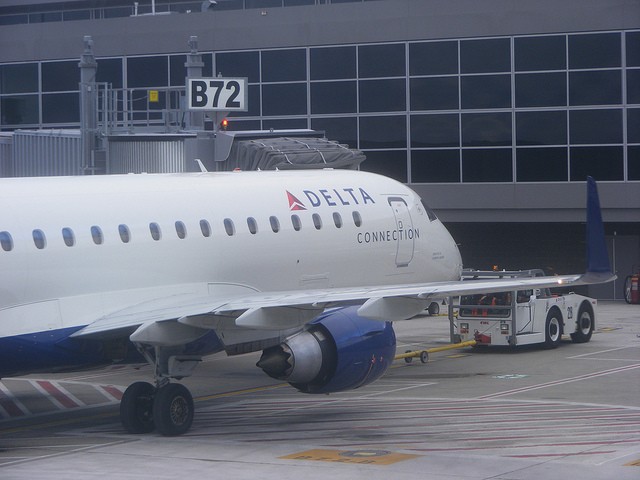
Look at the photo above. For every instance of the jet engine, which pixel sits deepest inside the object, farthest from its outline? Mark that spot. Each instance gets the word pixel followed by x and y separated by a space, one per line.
pixel 338 351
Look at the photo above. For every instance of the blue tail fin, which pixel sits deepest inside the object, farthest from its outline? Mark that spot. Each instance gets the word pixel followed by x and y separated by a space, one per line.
pixel 597 254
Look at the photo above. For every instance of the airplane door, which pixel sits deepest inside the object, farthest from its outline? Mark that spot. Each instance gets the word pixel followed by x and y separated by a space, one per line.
pixel 404 231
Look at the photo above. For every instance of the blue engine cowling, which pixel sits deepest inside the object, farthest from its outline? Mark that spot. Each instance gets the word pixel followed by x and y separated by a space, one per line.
pixel 338 351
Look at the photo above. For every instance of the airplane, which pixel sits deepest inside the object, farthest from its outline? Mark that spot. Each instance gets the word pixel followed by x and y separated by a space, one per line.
pixel 309 267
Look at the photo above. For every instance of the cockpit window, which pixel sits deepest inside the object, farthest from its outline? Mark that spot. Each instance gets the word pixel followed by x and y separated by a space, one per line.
pixel 430 214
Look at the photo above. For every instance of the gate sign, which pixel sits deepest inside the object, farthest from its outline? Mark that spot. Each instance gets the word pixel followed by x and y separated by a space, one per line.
pixel 225 94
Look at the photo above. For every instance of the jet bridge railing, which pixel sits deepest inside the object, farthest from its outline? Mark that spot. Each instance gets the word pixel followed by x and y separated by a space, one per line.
pixel 158 109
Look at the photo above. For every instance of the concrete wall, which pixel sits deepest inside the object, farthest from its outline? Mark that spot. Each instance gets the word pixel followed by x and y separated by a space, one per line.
pixel 377 21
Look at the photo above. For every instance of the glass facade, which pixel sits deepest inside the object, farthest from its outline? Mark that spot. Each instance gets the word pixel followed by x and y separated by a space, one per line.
pixel 538 108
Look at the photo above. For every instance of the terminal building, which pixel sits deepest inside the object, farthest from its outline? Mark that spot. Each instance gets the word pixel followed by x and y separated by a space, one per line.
pixel 494 111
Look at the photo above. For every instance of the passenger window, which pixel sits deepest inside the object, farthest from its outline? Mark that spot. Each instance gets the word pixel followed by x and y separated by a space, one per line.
pixel 317 221
pixel 357 219
pixel 253 226
pixel 295 221
pixel 275 224
pixel 229 227
pixel 6 242
pixel 154 229
pixel 181 230
pixel 337 219
pixel 39 239
pixel 68 237
pixel 205 228
pixel 125 234
pixel 96 234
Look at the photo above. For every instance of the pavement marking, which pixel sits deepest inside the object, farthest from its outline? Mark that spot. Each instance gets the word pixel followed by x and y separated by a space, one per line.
pixel 55 395
pixel 113 391
pixel 59 454
pixel 560 382
pixel 10 406
pixel 591 354
pixel 359 457
pixel 48 397
pixel 234 393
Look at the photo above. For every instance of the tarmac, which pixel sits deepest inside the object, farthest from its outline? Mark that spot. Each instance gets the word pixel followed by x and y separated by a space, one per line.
pixel 469 414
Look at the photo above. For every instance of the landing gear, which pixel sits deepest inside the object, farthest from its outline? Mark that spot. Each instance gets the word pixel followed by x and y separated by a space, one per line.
pixel 169 409
pixel 173 409
pixel 136 408
pixel 165 407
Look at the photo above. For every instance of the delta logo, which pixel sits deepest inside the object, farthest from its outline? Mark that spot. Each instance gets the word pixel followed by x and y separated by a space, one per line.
pixel 329 197
pixel 294 203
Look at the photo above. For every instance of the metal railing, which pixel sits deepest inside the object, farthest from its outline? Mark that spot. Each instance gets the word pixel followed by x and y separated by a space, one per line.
pixel 159 109
pixel 19 14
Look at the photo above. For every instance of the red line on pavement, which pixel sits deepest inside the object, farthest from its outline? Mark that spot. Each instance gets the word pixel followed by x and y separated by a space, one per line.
pixel 52 390
pixel 113 391
pixel 9 405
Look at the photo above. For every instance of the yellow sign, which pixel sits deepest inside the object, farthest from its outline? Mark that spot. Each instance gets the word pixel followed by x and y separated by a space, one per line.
pixel 360 457
pixel 154 96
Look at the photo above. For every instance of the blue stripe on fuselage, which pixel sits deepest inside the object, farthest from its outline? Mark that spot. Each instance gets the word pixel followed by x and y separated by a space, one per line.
pixel 54 350
pixel 47 351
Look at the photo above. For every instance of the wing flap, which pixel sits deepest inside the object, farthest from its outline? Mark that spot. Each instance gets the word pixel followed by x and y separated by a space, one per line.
pixel 156 310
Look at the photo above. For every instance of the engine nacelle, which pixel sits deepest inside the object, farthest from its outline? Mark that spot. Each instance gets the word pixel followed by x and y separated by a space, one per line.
pixel 339 351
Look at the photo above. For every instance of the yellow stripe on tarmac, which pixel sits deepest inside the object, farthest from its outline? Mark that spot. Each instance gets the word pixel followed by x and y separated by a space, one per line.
pixel 240 392
pixel 360 457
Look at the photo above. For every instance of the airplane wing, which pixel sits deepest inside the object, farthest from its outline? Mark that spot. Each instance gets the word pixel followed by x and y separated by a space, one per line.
pixel 269 310
pixel 289 309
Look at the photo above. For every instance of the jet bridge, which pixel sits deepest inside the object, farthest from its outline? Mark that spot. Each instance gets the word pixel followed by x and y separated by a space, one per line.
pixel 226 151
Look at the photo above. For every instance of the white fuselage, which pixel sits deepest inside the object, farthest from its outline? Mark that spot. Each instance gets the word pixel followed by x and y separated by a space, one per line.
pixel 77 248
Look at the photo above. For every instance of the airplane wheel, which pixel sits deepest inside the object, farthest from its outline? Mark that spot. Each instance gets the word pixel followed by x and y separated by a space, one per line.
pixel 136 408
pixel 553 328
pixel 584 324
pixel 173 409
pixel 434 308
